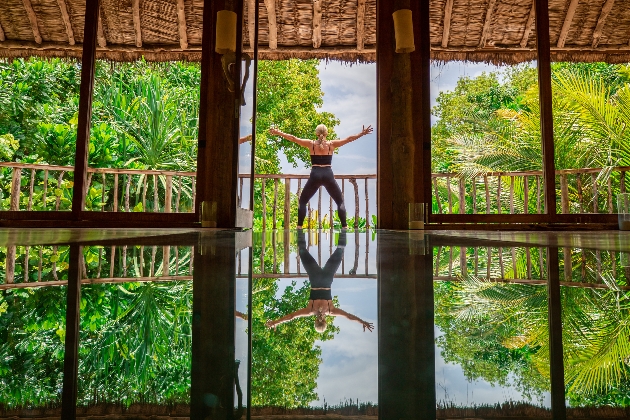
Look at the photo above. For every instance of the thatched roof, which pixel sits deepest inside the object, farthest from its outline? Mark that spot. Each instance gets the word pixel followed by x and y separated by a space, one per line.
pixel 499 31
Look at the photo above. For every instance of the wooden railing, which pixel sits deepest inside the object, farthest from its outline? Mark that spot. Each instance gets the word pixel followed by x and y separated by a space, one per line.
pixel 578 191
pixel 50 187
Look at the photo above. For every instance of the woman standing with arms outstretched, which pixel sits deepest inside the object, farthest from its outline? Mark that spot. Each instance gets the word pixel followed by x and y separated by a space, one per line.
pixel 321 173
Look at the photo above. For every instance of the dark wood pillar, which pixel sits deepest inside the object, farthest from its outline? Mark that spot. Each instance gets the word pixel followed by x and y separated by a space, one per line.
pixel 546 107
pixel 219 111
pixel 556 349
pixel 88 62
pixel 71 357
pixel 406 353
pixel 404 126
pixel 213 351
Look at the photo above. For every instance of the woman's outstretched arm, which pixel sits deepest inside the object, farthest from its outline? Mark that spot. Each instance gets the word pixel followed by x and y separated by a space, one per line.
pixel 341 142
pixel 297 314
pixel 341 312
pixel 291 137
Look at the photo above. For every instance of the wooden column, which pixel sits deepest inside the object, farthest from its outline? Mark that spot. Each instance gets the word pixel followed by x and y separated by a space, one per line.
pixel 71 356
pixel 213 349
pixel 546 108
pixel 404 124
pixel 88 61
pixel 406 354
pixel 219 111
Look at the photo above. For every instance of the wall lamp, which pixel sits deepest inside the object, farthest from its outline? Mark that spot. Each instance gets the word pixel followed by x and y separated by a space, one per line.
pixel 226 46
pixel 403 29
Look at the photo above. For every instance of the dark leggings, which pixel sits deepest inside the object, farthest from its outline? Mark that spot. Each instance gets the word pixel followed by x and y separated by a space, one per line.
pixel 321 176
pixel 321 277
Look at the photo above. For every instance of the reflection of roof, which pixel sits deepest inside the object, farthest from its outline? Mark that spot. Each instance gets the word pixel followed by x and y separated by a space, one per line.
pixel 499 31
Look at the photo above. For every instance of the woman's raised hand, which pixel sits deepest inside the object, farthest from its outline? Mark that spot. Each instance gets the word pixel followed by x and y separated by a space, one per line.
pixel 271 324
pixel 367 130
pixel 274 131
pixel 367 325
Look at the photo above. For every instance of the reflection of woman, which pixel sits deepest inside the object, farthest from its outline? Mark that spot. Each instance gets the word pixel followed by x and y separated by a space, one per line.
pixel 320 302
pixel 321 174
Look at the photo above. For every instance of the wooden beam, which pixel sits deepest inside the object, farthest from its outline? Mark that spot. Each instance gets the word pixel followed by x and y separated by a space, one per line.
pixel 361 25
pixel 529 25
pixel 566 26
pixel 181 24
pixel 100 34
pixel 448 11
pixel 136 22
pixel 2 37
pixel 251 21
pixel 33 19
pixel 66 20
pixel 317 23
pixel 273 27
pixel 543 48
pixel 597 34
pixel 486 26
pixel 88 64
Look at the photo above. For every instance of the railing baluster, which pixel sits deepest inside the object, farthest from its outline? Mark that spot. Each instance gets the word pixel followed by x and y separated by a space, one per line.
pixel 30 190
pixel 463 264
pixel 275 202
pixel 501 263
pixel 448 192
pixel 367 210
pixel 489 263
pixel 112 262
pixel 462 196
pixel 10 264
pixel 487 188
pixel 499 194
pixel 27 252
pixel 579 192
pixel 127 189
pixel 100 263
pixel 103 192
pixel 354 183
pixel 511 195
pixel 166 260
pixel 145 187
pixel 141 261
pixel 59 182
pixel 15 189
pixel 115 208
pixel 319 208
pixel 177 260
pixel 179 194
pixel 45 188
pixel 287 203
pixel 514 268
pixel 124 260
pixel 240 191
pixel 474 194
pixel 88 183
pixel 528 255
pixel 262 248
pixel 156 202
pixel 564 194
pixel 192 260
pixel 39 268
pixel 168 194
pixel 264 205
pixel 610 198
pixel 152 268
pixel 437 195
pixel 526 195
pixel 437 261
pixel 538 194
pixel 194 191
pixel 595 190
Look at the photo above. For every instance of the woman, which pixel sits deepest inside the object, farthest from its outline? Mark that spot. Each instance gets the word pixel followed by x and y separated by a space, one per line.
pixel 321 173
pixel 320 302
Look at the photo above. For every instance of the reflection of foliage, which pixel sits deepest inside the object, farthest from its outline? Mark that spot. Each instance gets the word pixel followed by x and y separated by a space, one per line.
pixel 32 334
pixel 498 332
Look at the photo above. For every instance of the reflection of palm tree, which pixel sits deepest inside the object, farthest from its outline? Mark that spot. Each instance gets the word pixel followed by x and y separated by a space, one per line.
pixel 320 301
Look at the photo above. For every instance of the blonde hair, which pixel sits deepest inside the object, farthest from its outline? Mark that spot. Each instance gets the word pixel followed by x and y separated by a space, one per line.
pixel 321 132
pixel 320 324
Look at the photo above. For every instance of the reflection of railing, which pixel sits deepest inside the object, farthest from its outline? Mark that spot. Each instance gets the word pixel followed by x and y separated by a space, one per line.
pixel 522 192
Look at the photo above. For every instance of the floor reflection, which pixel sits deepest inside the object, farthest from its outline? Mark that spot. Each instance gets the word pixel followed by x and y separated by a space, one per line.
pixel 211 324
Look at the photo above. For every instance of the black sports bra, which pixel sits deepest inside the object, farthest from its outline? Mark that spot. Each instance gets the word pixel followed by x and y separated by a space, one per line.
pixel 320 159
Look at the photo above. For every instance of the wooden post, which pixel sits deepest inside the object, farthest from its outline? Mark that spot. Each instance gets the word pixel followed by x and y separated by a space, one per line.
pixel 546 106
pixel 556 356
pixel 88 61
pixel 219 114
pixel 564 197
pixel 403 115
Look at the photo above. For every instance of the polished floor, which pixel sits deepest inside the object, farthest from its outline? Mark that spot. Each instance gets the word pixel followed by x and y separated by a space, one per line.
pixel 314 324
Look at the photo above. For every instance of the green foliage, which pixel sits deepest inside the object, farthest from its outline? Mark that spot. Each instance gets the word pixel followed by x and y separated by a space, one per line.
pixel 8 146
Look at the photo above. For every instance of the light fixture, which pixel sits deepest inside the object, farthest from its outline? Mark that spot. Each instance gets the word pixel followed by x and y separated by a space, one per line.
pixel 403 29
pixel 226 32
